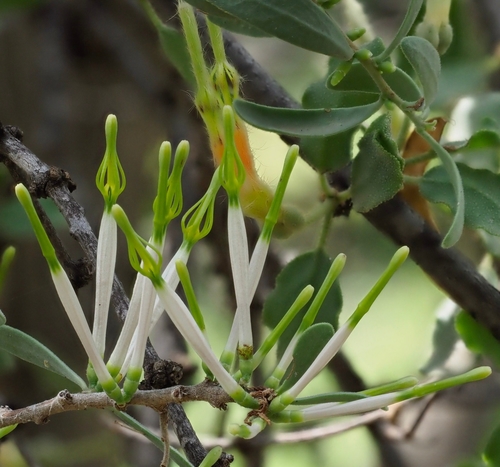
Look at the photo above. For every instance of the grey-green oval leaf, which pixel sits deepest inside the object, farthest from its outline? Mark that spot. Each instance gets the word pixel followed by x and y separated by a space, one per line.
pixel 424 59
pixel 377 170
pixel 310 344
pixel 309 268
pixel 309 122
pixel 29 349
pixel 481 193
pixel 325 153
pixel 299 22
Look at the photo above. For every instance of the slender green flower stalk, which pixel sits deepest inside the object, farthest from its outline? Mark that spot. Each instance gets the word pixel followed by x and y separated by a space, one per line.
pixel 338 339
pixel 196 223
pixel 110 181
pixel 167 205
pixel 144 263
pixel 271 340
pixel 261 248
pixel 68 298
pixel 335 269
pixel 368 404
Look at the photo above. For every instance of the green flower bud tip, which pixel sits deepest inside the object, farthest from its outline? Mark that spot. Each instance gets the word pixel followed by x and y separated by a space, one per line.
pixel 363 55
pixel 212 457
pixel 160 206
pixel 198 220
pixel 422 390
pixel 397 260
pixel 110 178
pixel 48 250
pixel 174 193
pixel 387 67
pixel 5 262
pixel 340 73
pixel 355 34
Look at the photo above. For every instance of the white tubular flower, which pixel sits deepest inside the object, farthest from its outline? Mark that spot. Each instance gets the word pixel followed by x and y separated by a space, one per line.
pixel 335 409
pixel 105 271
pixel 338 339
pixel 118 356
pixel 110 181
pixel 68 298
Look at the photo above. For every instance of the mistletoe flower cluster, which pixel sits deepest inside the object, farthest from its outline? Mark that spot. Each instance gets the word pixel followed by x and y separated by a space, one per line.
pixel 155 286
pixel 154 291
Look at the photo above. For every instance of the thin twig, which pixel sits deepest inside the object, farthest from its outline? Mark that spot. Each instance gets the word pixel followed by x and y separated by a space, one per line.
pixel 164 438
pixel 156 399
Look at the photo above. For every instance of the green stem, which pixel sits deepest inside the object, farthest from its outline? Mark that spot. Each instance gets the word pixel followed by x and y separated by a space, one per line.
pixel 455 231
pixel 403 133
pixel 427 156
pixel 411 180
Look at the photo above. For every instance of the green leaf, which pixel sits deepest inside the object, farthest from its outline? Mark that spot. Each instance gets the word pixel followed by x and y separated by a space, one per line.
pixel 311 122
pixel 328 153
pixel 477 337
pixel 130 421
pixel 29 349
pixel 358 79
pixel 325 153
pixel 236 25
pixel 481 192
pixel 208 8
pixel 299 22
pixel 410 17
pixel 227 21
pixel 3 319
pixel 173 44
pixel 6 430
pixel 424 59
pixel 377 170
pixel 481 151
pixel 309 268
pixel 444 339
pixel 310 344
pixel 491 454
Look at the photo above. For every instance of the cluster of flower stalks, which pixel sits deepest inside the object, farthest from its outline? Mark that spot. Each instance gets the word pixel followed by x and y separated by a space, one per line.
pixel 157 280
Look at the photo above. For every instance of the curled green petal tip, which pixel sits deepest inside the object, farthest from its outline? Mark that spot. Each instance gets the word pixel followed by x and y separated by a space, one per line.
pixel 110 178
pixel 232 171
pixel 142 260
